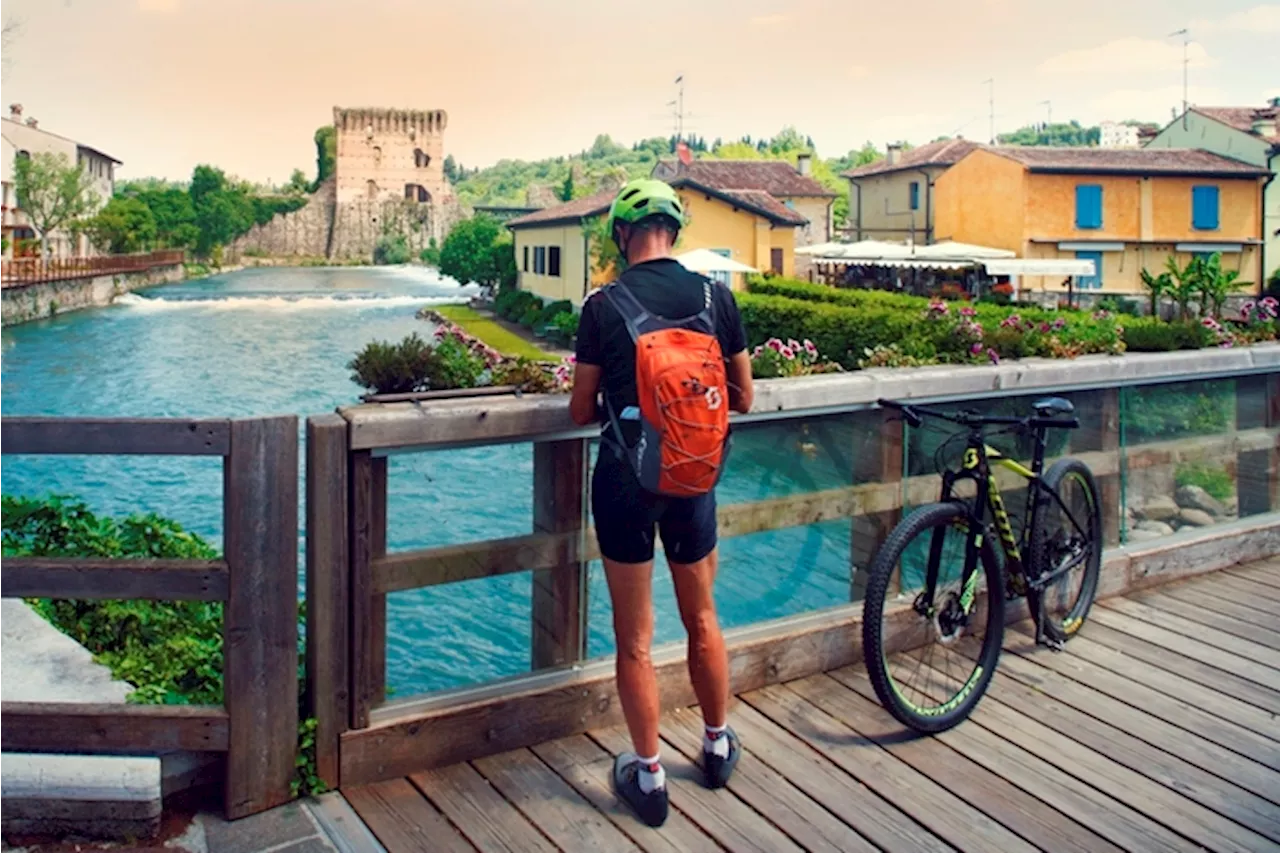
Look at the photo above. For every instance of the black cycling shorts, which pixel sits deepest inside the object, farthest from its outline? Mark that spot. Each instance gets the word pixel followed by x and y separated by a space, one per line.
pixel 626 514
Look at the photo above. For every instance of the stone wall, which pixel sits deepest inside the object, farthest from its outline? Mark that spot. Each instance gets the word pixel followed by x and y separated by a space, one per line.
pixel 300 233
pixel 24 303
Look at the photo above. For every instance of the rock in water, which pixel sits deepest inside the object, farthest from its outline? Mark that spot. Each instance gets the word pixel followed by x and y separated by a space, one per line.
pixel 1194 497
pixel 1157 527
pixel 1196 518
pixel 1159 509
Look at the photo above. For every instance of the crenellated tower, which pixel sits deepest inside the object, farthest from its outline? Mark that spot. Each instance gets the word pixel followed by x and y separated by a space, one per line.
pixel 390 154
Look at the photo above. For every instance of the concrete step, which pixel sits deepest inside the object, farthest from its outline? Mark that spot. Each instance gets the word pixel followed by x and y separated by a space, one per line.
pixel 90 796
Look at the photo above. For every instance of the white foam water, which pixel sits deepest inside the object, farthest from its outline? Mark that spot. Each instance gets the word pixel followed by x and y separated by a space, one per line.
pixel 282 303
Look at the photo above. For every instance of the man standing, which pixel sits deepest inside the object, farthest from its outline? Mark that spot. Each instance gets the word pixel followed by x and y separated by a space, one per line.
pixel 667 348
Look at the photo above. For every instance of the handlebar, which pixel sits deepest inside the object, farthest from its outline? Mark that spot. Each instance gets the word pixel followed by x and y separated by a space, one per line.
pixel 912 414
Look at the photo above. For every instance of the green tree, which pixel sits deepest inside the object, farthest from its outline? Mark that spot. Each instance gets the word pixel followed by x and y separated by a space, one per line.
pixel 452 173
pixel 297 183
pixel 222 211
pixel 52 192
pixel 468 253
pixel 604 253
pixel 326 154
pixel 124 225
pixel 1158 286
pixel 566 190
pixel 1216 284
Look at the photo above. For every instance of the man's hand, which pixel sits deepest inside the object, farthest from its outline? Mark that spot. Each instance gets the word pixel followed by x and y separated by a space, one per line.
pixel 586 384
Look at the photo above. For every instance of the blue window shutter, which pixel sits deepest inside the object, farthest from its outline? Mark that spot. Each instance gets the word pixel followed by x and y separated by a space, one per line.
pixel 1088 206
pixel 1204 208
pixel 915 195
pixel 1091 282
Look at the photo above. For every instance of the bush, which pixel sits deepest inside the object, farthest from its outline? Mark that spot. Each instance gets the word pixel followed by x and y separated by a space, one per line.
pixel 430 255
pixel 842 333
pixel 453 365
pixel 387 368
pixel 566 323
pixel 512 304
pixel 391 249
pixel 1149 334
pixel 1184 409
pixel 550 310
pixel 531 313
pixel 1216 481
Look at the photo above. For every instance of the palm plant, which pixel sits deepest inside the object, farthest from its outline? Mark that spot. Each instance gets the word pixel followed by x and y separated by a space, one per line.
pixel 1216 284
pixel 1158 286
pixel 1186 285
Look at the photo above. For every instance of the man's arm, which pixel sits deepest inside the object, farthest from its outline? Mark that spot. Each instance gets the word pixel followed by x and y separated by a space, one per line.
pixel 586 384
pixel 741 392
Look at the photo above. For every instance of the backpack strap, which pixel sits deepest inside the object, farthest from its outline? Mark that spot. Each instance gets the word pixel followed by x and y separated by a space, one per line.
pixel 639 319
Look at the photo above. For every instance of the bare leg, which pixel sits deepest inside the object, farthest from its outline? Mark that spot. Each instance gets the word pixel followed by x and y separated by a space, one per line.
pixel 708 660
pixel 630 588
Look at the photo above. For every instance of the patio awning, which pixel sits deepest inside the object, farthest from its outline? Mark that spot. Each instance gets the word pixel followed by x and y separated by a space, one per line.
pixel 705 260
pixel 1039 266
pixel 901 263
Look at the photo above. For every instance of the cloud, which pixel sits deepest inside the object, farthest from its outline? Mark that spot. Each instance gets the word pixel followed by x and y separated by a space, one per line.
pixel 859 72
pixel 1124 56
pixel 160 6
pixel 769 20
pixel 1157 105
pixel 1259 19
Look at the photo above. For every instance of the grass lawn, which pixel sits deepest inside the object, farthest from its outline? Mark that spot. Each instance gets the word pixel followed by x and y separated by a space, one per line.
pixel 503 340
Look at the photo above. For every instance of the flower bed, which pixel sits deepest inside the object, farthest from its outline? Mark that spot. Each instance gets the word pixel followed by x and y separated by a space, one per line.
pixel 452 360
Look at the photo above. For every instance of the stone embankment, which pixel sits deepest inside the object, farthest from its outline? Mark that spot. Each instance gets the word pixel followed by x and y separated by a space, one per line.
pixel 1189 506
pixel 22 303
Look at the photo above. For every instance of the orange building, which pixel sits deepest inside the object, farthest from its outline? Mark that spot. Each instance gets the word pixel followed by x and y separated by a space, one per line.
pixel 1124 209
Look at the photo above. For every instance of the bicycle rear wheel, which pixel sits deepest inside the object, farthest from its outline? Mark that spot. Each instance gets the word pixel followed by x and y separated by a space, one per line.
pixel 1067 536
pixel 929 661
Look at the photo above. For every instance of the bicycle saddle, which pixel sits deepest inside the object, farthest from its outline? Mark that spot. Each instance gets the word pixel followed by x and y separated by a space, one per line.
pixel 1053 406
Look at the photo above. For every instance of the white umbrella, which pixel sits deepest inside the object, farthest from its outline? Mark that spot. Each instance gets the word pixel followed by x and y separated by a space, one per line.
pixel 705 260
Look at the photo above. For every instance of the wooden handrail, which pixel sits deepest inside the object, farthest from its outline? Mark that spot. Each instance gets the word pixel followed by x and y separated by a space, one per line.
pixel 19 272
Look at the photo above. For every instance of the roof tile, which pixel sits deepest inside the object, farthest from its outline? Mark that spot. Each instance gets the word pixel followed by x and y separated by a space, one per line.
pixel 776 177
pixel 1147 161
pixel 577 209
pixel 945 152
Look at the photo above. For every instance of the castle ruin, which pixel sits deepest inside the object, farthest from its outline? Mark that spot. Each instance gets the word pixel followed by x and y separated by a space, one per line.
pixel 388 180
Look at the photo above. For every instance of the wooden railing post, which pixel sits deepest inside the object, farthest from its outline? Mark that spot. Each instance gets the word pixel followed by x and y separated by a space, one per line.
pixel 365 638
pixel 260 621
pixel 878 456
pixel 378 606
pixel 1257 471
pixel 328 586
pixel 559 593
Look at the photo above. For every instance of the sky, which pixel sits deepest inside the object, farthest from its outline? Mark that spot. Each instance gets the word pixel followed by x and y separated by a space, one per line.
pixel 166 84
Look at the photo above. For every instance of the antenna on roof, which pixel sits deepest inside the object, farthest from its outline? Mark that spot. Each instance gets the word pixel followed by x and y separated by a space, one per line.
pixel 1186 40
pixel 991 115
pixel 1049 113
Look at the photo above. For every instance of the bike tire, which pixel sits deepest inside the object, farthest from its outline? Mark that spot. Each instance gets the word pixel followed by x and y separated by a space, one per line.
pixel 925 520
pixel 1061 473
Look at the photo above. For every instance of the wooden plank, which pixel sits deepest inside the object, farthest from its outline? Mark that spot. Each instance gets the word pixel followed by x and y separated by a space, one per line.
pixel 1000 800
pixel 1254 610
pixel 109 579
pixel 1192 735
pixel 115 436
pixel 575 702
pixel 1262 594
pixel 479 812
pixel 1197 596
pixel 1245 630
pixel 720 814
pixel 360 542
pixel 402 819
pixel 1154 656
pixel 559 812
pixel 1188 646
pixel 82 727
pixel 1246 649
pixel 1220 809
pixel 328 626
pixel 770 793
pixel 559 599
pixel 1178 689
pixel 937 809
pixel 1003 712
pixel 377 630
pixel 1266 575
pixel 260 622
pixel 1088 806
pixel 588 769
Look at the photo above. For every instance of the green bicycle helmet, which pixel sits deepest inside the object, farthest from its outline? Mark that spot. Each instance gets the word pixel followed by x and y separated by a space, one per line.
pixel 642 198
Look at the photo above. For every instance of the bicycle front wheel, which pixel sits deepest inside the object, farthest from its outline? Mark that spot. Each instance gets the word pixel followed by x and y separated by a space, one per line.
pixel 930 652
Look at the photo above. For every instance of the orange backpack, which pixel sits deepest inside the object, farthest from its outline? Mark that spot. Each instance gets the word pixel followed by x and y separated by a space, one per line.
pixel 683 391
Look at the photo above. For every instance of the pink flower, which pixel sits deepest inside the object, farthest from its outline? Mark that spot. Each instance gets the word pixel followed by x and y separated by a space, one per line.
pixel 994 356
pixel 1247 308
pixel 787 353
pixel 757 351
pixel 1044 327
pixel 793 345
pixel 976 349
pixel 774 344
pixel 1012 321
pixel 809 347
pixel 1062 324
pixel 968 312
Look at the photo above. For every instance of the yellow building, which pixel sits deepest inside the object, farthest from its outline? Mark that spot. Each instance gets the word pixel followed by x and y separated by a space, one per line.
pixel 893 199
pixel 749 226
pixel 1124 209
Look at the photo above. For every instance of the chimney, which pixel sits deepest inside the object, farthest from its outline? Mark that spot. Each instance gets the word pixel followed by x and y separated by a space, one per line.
pixel 1264 123
pixel 32 123
pixel 891 152
pixel 1275 102
pixel 804 163
pixel 15 111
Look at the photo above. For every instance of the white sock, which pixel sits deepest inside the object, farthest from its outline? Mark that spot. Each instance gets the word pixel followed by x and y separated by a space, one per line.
pixel 652 776
pixel 715 742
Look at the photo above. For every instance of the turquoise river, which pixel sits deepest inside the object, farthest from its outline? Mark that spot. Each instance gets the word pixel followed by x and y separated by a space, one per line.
pixel 276 341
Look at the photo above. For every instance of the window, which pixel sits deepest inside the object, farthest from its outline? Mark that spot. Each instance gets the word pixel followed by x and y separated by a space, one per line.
pixel 1091 282
pixel 1204 208
pixel 553 261
pixel 525 266
pixel 720 275
pixel 775 261
pixel 1088 206
pixel 913 195
pixel 540 260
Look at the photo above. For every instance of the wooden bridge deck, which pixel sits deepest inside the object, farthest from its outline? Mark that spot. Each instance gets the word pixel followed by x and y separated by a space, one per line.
pixel 1156 729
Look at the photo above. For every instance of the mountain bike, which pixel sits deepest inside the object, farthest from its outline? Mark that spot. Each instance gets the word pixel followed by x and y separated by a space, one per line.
pixel 910 587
